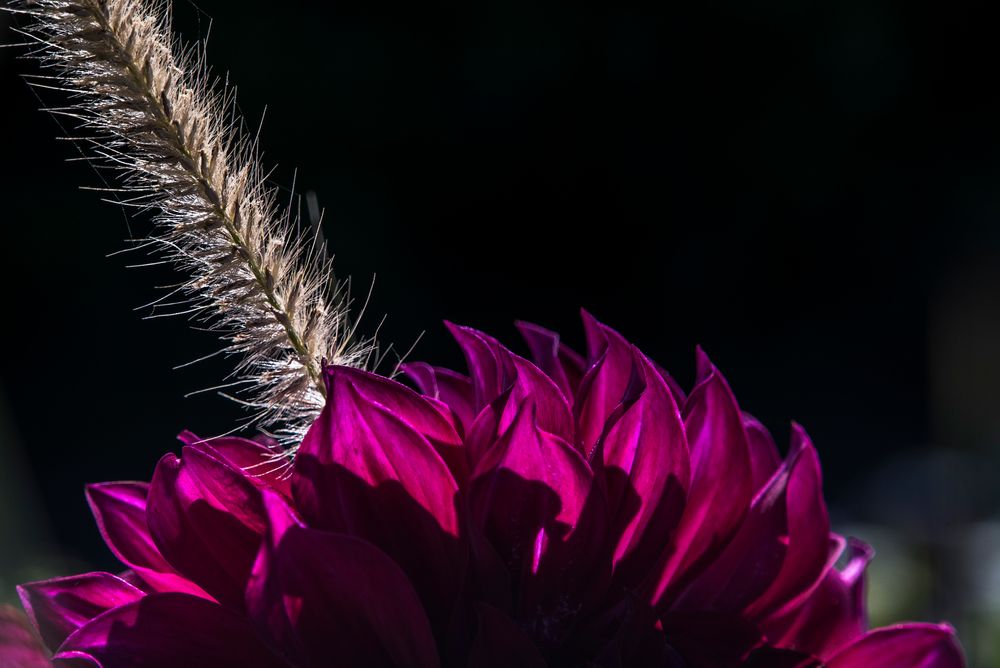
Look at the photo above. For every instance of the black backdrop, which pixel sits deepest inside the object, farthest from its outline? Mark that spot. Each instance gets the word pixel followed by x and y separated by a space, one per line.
pixel 809 190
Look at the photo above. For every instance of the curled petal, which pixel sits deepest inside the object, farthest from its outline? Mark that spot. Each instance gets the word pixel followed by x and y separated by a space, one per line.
pixel 833 614
pixel 721 481
pixel 561 364
pixel 808 532
pixel 265 465
pixel 447 386
pixel 207 519
pixel 489 368
pixel 60 606
pixel 923 645
pixel 764 457
pixel 647 470
pixel 603 387
pixel 166 631
pixel 120 511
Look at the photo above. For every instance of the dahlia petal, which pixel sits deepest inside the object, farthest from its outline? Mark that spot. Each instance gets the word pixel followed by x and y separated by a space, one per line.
pixel 496 371
pixel 363 471
pixel 206 518
pixel 603 387
pixel 833 615
pixel 316 594
pixel 264 465
pixel 120 511
pixel 421 415
pixel 167 630
pixel 561 364
pixel 808 532
pixel 647 469
pixel 501 643
pixel 490 372
pixel 923 645
pixel 721 481
pixel 764 457
pixel 447 386
pixel 533 498
pixel 19 646
pixel 680 396
pixel 552 412
pixel 60 606
pixel 748 565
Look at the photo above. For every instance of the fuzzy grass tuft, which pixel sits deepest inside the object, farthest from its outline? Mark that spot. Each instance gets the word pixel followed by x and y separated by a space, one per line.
pixel 148 110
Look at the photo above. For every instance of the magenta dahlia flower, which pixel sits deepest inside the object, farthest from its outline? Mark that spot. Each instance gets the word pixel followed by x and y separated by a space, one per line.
pixel 570 511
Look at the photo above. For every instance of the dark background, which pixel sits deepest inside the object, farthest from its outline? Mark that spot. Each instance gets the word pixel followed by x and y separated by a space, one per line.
pixel 808 190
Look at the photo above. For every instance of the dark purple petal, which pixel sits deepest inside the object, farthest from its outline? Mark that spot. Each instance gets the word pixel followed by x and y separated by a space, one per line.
pixel 533 497
pixel 120 511
pixel 447 386
pixel 322 598
pixel 905 645
pixel 833 615
pixel 417 412
pixel 561 364
pixel 500 643
pixel 721 480
pixel 764 457
pixel 489 368
pixel 266 465
pixel 749 564
pixel 19 646
pixel 808 532
pixel 497 372
pixel 206 518
pixel 60 606
pixel 166 631
pixel 647 469
pixel 603 387
pixel 363 471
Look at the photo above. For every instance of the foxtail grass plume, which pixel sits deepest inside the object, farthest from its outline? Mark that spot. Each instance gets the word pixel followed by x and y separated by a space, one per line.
pixel 148 111
pixel 565 511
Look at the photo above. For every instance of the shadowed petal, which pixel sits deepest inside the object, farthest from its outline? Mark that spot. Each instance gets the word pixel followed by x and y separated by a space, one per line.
pixel 268 466
pixel 60 606
pixel 206 517
pixel 916 645
pixel 808 532
pixel 721 480
pixel 120 511
pixel 167 631
pixel 533 497
pixel 646 464
pixel 489 369
pixel 563 365
pixel 363 471
pixel 603 387
pixel 323 598
pixel 764 457
pixel 447 386
pixel 833 614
